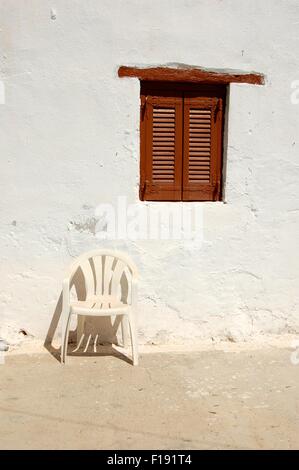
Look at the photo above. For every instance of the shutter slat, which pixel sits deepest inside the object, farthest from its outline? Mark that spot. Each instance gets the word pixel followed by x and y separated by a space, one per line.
pixel 163 134
pixel 162 124
pixel 197 153
pixel 162 155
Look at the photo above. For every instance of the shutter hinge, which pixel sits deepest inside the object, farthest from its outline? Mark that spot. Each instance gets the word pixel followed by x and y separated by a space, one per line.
pixel 143 105
pixel 217 108
pixel 142 189
pixel 216 192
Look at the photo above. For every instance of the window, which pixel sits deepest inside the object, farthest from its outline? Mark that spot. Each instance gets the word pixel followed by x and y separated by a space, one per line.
pixel 181 128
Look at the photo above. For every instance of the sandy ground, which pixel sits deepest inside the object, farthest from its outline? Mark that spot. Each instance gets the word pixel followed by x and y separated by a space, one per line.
pixel 231 397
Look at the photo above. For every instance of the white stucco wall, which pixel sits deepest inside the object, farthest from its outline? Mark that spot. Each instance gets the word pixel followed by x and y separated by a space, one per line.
pixel 70 141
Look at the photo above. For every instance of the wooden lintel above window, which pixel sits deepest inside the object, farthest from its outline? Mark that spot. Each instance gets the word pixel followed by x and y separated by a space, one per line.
pixel 191 74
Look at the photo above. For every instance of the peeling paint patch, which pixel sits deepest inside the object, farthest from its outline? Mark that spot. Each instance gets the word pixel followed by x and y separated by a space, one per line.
pixel 53 14
pixel 89 225
pixel 86 207
pixel 23 332
pixel 3 345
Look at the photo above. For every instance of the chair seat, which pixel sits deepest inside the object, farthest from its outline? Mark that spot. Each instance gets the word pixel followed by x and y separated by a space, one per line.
pixel 99 305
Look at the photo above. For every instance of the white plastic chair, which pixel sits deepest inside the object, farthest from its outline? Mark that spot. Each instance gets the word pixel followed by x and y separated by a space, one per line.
pixel 110 280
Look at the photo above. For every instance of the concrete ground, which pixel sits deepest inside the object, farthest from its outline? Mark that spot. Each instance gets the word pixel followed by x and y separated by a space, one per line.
pixel 197 400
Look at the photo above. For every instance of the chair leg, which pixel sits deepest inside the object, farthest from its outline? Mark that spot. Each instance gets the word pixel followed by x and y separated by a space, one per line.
pixel 64 339
pixel 134 342
pixel 80 328
pixel 124 331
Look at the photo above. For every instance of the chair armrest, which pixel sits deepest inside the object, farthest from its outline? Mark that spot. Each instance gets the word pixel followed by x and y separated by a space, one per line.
pixel 66 295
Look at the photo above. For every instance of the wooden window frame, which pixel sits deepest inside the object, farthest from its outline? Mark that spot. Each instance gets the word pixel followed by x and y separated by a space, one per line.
pixel 208 93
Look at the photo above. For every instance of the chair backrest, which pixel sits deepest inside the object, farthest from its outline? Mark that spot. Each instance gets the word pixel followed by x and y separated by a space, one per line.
pixel 105 272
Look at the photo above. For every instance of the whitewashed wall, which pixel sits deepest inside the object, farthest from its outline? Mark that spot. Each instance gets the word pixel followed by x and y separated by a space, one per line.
pixel 70 141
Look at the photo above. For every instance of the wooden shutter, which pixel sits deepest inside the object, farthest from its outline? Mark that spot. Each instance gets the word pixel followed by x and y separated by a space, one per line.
pixel 161 148
pixel 202 148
